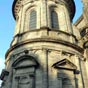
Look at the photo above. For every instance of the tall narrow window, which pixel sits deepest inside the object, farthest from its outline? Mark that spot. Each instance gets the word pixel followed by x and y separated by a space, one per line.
pixel 54 20
pixel 32 24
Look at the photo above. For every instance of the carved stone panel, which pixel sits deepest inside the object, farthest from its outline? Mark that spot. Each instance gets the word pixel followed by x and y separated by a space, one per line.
pixel 24 78
pixel 24 81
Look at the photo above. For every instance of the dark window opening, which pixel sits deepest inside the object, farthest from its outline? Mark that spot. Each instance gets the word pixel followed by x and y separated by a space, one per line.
pixel 32 24
pixel 83 32
pixel 54 20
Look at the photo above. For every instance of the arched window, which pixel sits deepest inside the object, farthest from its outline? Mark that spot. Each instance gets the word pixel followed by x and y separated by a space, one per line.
pixel 32 23
pixel 54 20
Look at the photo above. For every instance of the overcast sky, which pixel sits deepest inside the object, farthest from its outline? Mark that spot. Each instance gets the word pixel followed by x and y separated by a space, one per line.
pixel 7 25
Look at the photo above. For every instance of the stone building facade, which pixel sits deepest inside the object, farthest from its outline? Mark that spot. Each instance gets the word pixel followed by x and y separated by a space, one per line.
pixel 48 50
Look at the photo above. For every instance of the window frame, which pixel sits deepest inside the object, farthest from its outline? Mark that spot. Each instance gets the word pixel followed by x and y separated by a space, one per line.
pixel 54 19
pixel 33 19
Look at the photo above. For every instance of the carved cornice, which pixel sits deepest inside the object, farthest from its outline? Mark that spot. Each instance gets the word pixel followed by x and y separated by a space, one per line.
pixel 15 7
pixel 17 64
pixel 65 64
pixel 48 29
pixel 18 3
pixel 58 41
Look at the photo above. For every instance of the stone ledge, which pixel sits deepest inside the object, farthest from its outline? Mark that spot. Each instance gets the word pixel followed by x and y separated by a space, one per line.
pixel 44 32
pixel 45 40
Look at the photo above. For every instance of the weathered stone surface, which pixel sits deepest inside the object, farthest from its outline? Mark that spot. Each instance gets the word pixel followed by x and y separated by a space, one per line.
pixel 47 56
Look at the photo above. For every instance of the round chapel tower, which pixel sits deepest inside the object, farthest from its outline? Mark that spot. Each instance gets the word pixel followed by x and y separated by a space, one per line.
pixel 44 52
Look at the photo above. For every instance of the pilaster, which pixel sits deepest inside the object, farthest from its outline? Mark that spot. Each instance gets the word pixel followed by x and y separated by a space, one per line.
pixel 44 13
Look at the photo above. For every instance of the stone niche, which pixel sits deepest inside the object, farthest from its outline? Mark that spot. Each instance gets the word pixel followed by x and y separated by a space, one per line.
pixel 66 74
pixel 24 72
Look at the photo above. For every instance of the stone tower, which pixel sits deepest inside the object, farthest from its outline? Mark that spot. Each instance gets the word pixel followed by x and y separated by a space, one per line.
pixel 85 29
pixel 45 51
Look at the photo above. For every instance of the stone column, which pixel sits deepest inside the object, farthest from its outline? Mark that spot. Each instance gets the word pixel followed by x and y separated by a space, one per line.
pixel 45 70
pixel 17 28
pixel 85 68
pixel 68 22
pixel 44 73
pixel 78 76
pixel 43 13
